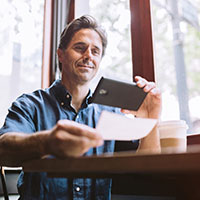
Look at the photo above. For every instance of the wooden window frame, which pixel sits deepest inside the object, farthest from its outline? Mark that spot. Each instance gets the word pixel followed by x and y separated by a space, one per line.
pixel 47 43
pixel 141 36
pixel 53 25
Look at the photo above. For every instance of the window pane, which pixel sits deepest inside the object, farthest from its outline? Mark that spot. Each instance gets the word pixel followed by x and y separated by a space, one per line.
pixel 21 33
pixel 176 34
pixel 114 16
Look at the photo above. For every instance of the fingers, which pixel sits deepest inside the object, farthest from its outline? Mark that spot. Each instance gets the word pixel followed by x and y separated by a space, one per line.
pixel 128 111
pixel 143 83
pixel 151 107
pixel 69 138
pixel 83 144
pixel 140 81
pixel 81 131
pixel 148 86
pixel 78 129
pixel 78 145
pixel 65 145
pixel 156 93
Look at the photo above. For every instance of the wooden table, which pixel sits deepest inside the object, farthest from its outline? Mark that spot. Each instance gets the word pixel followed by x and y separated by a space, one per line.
pixel 164 174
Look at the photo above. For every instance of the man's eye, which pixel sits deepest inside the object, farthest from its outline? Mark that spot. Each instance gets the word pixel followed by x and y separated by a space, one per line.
pixel 95 51
pixel 79 48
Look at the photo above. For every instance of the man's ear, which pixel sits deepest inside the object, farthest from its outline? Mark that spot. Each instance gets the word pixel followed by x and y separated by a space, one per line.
pixel 60 54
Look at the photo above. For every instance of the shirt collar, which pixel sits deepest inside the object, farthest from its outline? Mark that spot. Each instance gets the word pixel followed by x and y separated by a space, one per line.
pixel 64 97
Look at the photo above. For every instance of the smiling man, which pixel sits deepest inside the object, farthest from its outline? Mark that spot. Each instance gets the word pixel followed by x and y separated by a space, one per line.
pixel 80 62
pixel 59 121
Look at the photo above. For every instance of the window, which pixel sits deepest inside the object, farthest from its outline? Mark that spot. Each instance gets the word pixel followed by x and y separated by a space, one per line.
pixel 176 75
pixel 176 34
pixel 21 33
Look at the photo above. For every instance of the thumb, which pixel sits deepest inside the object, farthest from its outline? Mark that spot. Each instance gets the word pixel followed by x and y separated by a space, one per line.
pixel 128 111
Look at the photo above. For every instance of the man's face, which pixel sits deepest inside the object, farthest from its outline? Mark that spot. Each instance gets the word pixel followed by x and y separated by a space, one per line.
pixel 81 59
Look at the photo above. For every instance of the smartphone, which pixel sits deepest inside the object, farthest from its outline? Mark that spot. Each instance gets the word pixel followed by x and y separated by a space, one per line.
pixel 118 94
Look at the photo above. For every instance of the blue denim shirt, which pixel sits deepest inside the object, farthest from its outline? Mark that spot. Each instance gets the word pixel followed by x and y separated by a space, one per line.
pixel 40 111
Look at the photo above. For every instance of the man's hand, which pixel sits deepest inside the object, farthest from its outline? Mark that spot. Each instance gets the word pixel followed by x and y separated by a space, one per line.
pixel 66 138
pixel 69 138
pixel 151 107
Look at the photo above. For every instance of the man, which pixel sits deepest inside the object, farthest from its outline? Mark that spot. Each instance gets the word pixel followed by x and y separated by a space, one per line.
pixel 63 121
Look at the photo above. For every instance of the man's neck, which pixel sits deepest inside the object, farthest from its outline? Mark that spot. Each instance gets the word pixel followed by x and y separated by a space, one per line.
pixel 78 93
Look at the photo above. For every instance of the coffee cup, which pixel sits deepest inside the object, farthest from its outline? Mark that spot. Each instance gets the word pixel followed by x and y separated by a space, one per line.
pixel 173 136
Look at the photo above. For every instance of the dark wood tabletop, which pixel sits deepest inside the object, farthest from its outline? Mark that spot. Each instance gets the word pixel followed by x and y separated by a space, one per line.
pixel 150 174
pixel 120 163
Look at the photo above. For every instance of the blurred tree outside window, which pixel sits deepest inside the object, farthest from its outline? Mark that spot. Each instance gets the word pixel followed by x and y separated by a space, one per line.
pixel 176 33
pixel 21 37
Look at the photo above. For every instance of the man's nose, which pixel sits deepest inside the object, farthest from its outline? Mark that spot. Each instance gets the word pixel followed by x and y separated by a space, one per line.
pixel 88 54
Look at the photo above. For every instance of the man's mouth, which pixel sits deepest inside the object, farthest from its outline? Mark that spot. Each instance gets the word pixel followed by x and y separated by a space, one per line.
pixel 85 66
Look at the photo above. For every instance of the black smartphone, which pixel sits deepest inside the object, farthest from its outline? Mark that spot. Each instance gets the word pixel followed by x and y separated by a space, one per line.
pixel 118 94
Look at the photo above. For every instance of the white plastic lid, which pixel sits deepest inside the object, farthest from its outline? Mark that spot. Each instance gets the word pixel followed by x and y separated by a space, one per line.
pixel 172 123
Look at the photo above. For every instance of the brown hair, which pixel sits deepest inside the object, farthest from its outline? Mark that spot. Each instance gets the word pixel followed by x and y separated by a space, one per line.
pixel 86 21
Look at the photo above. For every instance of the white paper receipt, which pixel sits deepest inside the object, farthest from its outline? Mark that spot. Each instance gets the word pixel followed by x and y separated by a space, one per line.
pixel 114 126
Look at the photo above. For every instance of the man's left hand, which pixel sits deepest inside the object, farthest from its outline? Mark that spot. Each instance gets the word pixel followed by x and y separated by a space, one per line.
pixel 151 106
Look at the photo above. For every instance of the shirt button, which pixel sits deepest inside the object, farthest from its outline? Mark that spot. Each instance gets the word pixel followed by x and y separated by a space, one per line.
pixel 62 104
pixel 77 189
pixel 67 96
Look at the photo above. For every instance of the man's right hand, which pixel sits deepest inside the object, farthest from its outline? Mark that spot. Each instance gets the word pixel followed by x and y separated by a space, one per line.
pixel 69 138
pixel 66 138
